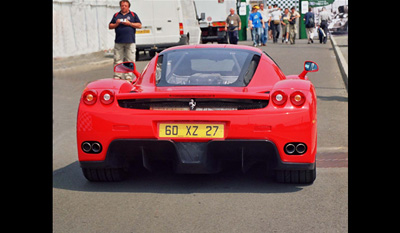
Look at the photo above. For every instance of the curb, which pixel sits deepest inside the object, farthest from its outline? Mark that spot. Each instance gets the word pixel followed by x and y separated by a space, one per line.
pixel 86 66
pixel 341 62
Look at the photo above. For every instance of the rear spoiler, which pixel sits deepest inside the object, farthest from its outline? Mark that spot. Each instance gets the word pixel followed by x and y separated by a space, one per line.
pixel 193 94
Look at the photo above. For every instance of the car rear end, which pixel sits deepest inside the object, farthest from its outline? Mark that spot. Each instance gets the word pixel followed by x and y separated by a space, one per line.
pixel 198 128
pixel 221 128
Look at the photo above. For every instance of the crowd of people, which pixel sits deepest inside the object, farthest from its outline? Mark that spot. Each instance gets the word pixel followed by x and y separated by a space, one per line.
pixel 263 23
pixel 272 22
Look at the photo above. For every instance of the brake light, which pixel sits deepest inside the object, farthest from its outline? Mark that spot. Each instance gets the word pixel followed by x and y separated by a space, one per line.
pixel 279 98
pixel 89 97
pixel 180 28
pixel 297 98
pixel 107 97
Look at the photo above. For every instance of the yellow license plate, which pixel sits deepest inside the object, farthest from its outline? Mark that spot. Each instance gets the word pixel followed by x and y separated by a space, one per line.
pixel 191 130
pixel 144 31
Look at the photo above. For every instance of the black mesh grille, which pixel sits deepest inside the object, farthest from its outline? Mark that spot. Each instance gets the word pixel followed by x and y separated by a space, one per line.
pixel 200 104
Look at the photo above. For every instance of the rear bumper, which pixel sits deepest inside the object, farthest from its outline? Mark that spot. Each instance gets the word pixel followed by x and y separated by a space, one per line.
pixel 194 157
pixel 250 136
pixel 213 35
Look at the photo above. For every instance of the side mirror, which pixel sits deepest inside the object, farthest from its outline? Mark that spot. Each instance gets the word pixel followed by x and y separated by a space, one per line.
pixel 126 67
pixel 309 66
pixel 202 16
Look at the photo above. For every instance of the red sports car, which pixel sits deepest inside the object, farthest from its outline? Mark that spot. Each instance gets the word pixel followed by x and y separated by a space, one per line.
pixel 198 106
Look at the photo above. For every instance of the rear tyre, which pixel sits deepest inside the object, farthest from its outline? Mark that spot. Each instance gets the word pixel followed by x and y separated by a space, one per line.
pixel 296 176
pixel 104 174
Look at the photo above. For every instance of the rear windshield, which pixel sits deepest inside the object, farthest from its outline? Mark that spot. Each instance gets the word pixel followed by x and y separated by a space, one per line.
pixel 206 67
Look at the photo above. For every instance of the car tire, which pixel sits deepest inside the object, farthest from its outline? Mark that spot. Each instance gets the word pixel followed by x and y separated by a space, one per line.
pixel 296 176
pixel 104 174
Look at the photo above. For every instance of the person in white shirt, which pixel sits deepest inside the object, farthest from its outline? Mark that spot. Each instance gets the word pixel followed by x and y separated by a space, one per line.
pixel 276 15
pixel 324 18
pixel 265 14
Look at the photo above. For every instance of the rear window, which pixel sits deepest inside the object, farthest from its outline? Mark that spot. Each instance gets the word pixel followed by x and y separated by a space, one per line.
pixel 206 67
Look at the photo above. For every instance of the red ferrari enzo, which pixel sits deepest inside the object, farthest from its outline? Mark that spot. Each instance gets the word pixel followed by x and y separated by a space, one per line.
pixel 198 106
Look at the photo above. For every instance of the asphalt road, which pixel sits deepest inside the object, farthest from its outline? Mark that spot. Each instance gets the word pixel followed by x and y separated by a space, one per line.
pixel 226 202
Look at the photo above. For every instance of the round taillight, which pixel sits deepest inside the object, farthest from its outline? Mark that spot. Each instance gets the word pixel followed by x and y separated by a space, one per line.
pixel 107 96
pixel 279 98
pixel 297 98
pixel 89 97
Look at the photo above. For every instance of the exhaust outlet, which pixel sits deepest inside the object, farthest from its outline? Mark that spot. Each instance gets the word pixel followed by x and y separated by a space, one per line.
pixel 96 147
pixel 290 148
pixel 86 147
pixel 300 148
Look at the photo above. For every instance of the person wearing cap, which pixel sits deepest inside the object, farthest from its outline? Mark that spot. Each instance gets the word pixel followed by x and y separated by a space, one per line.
pixel 256 25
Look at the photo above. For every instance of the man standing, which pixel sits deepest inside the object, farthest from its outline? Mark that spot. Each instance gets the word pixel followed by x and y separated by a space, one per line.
pixel 256 23
pixel 233 24
pixel 125 23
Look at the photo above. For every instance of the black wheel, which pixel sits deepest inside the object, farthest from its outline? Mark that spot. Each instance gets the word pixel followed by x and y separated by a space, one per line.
pixel 104 174
pixel 296 176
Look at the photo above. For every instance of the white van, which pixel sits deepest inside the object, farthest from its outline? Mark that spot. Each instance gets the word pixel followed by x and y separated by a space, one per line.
pixel 165 23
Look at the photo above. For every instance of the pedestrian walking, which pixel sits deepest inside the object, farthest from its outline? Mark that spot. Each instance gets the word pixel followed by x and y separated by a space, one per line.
pixel 232 26
pixel 269 22
pixel 324 18
pixel 310 25
pixel 276 16
pixel 124 23
pixel 285 25
pixel 266 18
pixel 256 25
pixel 293 24
pixel 321 34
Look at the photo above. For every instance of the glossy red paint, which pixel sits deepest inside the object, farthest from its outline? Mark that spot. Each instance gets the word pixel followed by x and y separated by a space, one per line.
pixel 279 124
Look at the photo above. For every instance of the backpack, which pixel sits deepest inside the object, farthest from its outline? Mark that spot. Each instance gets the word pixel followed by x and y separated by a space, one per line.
pixel 311 21
pixel 293 18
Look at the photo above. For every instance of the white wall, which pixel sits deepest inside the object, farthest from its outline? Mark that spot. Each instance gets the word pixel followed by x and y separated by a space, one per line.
pixel 81 26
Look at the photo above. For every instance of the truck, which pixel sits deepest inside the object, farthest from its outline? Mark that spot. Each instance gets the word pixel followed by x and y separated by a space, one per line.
pixel 212 19
pixel 165 23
